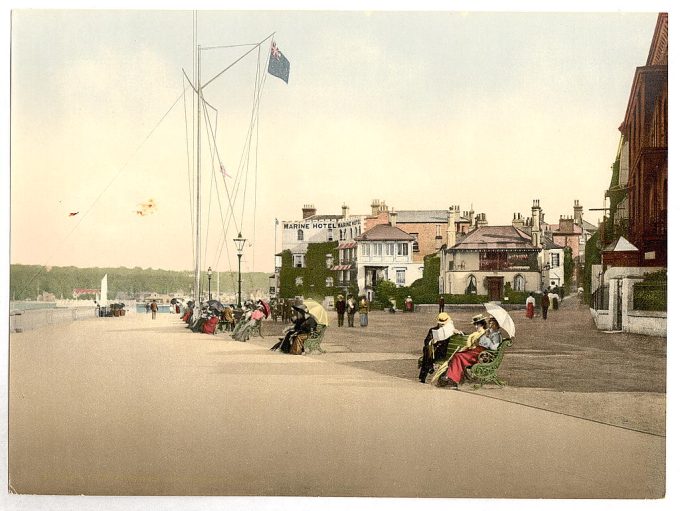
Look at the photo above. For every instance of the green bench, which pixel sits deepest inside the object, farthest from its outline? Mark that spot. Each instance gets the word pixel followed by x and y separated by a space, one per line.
pixel 313 342
pixel 485 370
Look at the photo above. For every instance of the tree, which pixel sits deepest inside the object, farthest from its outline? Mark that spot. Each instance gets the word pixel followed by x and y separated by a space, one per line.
pixel 568 268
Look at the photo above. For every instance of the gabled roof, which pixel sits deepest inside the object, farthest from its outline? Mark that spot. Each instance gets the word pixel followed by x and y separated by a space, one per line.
pixel 621 245
pixel 385 232
pixel 588 226
pixel 502 237
pixel 423 217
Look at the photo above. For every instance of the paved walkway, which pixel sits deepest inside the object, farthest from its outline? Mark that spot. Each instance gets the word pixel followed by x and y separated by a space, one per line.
pixel 132 406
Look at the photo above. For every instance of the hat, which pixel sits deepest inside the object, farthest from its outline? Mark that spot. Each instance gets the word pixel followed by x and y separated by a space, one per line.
pixel 443 317
pixel 302 308
pixel 478 319
pixel 340 297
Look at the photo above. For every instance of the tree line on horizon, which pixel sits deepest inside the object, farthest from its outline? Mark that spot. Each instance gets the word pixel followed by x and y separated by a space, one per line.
pixel 27 282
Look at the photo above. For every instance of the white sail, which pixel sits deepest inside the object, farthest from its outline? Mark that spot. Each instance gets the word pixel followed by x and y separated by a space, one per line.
pixel 104 296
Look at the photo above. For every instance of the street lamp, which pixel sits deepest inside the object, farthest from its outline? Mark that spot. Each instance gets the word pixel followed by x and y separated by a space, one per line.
pixel 240 242
pixel 209 277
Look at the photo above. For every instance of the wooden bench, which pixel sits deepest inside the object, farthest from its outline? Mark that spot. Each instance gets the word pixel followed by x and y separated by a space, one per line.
pixel 485 369
pixel 313 342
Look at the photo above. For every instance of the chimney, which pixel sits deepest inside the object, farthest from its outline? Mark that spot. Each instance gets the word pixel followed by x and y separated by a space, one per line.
pixel 481 220
pixel 393 218
pixel 535 223
pixel 517 220
pixel 454 216
pixel 566 224
pixel 345 211
pixel 578 213
pixel 308 210
pixel 375 207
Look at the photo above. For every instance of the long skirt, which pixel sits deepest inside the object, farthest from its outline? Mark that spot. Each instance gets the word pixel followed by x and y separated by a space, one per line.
pixel 460 361
pixel 363 319
pixel 530 310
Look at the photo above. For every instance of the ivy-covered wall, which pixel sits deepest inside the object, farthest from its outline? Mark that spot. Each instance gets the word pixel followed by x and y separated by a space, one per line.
pixel 313 275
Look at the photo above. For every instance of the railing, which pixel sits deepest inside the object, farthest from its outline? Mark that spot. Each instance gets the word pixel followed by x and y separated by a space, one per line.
pixel 599 300
pixel 20 320
pixel 650 296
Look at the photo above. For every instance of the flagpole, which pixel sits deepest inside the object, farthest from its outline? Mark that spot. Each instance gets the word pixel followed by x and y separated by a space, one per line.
pixel 197 268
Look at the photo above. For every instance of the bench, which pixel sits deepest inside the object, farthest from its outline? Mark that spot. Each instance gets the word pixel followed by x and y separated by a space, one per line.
pixel 313 342
pixel 485 369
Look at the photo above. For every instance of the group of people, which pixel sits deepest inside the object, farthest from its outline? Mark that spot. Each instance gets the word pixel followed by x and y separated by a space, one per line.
pixel 486 336
pixel 550 300
pixel 351 307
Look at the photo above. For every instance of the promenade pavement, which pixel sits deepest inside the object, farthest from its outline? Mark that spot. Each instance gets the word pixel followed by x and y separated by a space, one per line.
pixel 135 406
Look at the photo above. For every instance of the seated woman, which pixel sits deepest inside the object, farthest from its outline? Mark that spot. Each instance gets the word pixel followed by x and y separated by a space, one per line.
pixel 295 336
pixel 250 323
pixel 451 373
pixel 436 343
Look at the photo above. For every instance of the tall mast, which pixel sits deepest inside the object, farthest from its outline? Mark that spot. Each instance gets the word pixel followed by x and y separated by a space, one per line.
pixel 197 269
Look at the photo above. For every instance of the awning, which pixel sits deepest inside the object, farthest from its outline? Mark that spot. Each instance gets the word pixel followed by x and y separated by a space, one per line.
pixel 342 267
pixel 350 244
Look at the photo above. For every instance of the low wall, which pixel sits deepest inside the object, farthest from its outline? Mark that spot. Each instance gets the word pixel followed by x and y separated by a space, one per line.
pixel 38 318
pixel 603 320
pixel 646 322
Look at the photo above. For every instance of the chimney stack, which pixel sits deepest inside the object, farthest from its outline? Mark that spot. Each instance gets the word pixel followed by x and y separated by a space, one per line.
pixel 578 213
pixel 345 211
pixel 535 223
pixel 393 218
pixel 517 220
pixel 308 210
pixel 454 216
pixel 375 207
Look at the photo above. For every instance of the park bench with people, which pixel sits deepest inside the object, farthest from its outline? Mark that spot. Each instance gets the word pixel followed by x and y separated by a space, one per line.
pixel 313 342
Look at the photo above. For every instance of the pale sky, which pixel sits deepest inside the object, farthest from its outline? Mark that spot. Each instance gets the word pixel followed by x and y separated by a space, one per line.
pixel 420 109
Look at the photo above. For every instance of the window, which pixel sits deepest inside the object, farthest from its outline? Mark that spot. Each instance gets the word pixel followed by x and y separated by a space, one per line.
pixel 554 260
pixel 329 261
pixel 518 283
pixel 471 288
pixel 389 249
pixel 365 249
pixel 330 234
pixel 329 281
pixel 402 249
pixel 377 249
pixel 415 243
pixel 401 276
pixel 298 281
pixel 301 235
pixel 451 265
pixel 298 260
pixel 438 233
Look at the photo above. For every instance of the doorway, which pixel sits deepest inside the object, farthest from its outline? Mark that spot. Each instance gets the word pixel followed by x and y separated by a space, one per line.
pixel 495 286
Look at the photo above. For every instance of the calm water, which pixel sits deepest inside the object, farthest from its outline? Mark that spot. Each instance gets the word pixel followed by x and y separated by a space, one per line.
pixel 25 306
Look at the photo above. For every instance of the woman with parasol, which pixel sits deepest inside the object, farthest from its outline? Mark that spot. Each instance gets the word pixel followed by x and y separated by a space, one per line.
pixel 295 336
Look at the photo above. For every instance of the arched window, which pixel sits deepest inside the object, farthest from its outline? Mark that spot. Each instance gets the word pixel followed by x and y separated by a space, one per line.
pixel 301 235
pixel 471 287
pixel 518 283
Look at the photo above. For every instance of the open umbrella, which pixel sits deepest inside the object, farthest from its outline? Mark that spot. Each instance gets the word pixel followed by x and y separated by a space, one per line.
pixel 502 316
pixel 267 308
pixel 215 305
pixel 317 310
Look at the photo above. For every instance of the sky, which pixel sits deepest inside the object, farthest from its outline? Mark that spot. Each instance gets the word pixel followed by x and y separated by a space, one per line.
pixel 421 109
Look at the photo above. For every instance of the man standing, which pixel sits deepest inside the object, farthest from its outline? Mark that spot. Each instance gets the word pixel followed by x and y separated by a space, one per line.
pixel 351 310
pixel 441 303
pixel 340 307
pixel 154 309
pixel 545 303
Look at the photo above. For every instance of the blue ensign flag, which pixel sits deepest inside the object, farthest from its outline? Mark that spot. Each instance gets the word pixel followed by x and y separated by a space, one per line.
pixel 278 64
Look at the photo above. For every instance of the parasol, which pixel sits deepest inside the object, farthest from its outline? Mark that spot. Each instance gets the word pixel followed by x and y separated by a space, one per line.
pixel 502 316
pixel 317 310
pixel 267 308
pixel 214 304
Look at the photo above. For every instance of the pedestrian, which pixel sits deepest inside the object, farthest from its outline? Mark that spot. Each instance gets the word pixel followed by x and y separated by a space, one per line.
pixel 147 307
pixel 351 310
pixel 531 304
pixel 363 311
pixel 154 309
pixel 441 303
pixel 340 306
pixel 408 304
pixel 555 301
pixel 545 304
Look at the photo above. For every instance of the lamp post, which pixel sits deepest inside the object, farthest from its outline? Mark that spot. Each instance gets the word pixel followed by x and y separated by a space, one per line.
pixel 240 242
pixel 209 277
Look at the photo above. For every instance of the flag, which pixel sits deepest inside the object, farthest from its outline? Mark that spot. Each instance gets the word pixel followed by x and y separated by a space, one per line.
pixel 278 64
pixel 73 214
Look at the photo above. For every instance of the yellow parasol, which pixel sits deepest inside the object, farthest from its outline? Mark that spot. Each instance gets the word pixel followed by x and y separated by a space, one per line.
pixel 317 310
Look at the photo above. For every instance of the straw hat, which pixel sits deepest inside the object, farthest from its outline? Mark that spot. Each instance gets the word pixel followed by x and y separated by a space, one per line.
pixel 443 318
pixel 478 319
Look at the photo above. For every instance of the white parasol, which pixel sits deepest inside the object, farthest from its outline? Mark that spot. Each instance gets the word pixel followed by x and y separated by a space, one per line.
pixel 502 316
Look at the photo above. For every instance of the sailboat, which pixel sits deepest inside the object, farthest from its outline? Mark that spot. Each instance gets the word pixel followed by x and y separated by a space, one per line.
pixel 277 66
